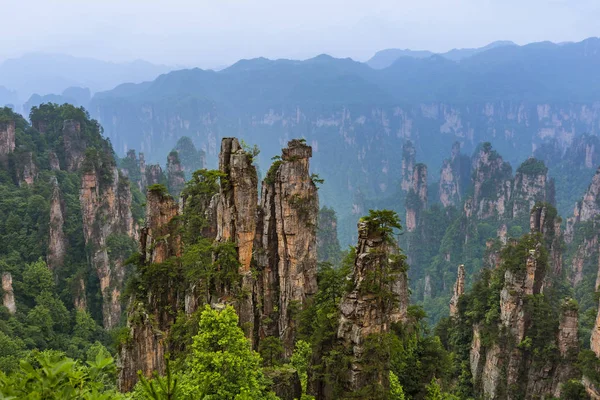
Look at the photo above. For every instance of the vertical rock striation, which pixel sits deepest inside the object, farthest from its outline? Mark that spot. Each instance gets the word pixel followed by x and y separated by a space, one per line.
pixel 286 244
pixel 7 138
pixel 74 145
pixel 491 183
pixel 175 176
pixel 57 244
pixel 408 165
pixel 459 290
pixel 150 318
pixel 105 199
pixel 454 177
pixel 416 200
pixel 8 299
pixel 237 204
pixel 363 310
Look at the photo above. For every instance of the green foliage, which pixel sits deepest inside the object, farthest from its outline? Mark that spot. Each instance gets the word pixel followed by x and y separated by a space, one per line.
pixel 396 391
pixel 532 166
pixel 328 246
pixel 159 189
pixel 300 361
pixel 221 364
pixel 271 351
pixel 51 375
pixel 573 390
pixel 383 221
pixel 251 151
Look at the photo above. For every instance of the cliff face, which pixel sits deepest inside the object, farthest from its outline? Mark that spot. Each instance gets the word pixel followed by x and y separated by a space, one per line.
pixel 236 205
pixel 8 299
pixel 530 186
pixel 175 176
pixel 491 183
pixel 74 145
pixel 7 138
pixel 408 165
pixel 149 319
pixel 57 245
pixel 416 200
pixel 106 210
pixel 454 177
pixel 362 311
pixel 26 169
pixel 286 235
pixel 459 290
pixel 587 208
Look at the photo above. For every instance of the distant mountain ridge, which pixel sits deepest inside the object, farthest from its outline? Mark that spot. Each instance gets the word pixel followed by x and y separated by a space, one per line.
pixel 385 58
pixel 44 73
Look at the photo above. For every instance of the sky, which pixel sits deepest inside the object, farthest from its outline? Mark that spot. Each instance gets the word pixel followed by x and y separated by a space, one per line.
pixel 213 33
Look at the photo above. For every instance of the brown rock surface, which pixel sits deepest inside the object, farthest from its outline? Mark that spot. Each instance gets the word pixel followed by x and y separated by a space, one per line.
pixel 57 244
pixel 362 313
pixel 459 290
pixel 8 299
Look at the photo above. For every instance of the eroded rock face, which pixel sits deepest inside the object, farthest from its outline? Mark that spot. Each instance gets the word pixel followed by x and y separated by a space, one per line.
pixel 408 164
pixel 74 145
pixel 286 242
pixel 144 352
pixel 567 330
pixel 8 299
pixel 57 244
pixel 7 138
pixel 154 175
pixel 157 239
pixel 175 176
pixel 452 177
pixel 238 200
pixel 530 187
pixel 361 312
pixel 106 210
pixel 491 183
pixel 587 208
pixel 459 290
pixel 237 204
pixel 416 200
pixel 27 170
pixel 148 319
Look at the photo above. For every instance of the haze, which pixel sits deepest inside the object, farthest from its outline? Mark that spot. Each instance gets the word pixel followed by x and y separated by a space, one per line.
pixel 216 33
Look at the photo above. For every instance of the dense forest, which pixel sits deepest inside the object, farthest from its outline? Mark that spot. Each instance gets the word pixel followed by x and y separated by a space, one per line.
pixel 122 279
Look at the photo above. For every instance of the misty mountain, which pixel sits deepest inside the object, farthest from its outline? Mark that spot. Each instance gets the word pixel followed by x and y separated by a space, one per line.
pixel 53 73
pixel 356 118
pixel 77 96
pixel 385 58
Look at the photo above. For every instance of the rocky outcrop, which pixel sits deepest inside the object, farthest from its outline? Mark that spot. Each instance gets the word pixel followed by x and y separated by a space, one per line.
pixel 7 138
pixel 363 312
pixel 158 240
pixel 408 164
pixel 237 204
pixel 175 176
pixel 453 177
pixel 238 200
pixel 530 186
pixel 154 175
pixel 27 170
pixel 8 299
pixel 416 199
pixel 106 210
pixel 80 297
pixel 328 245
pixel 459 290
pixel 586 209
pixel 74 145
pixel 150 318
pixel 543 219
pixel 57 243
pixel 492 184
pixel 286 243
pixel 286 383
pixel 568 342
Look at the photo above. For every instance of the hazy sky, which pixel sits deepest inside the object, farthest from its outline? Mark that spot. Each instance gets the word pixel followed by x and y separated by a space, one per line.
pixel 217 32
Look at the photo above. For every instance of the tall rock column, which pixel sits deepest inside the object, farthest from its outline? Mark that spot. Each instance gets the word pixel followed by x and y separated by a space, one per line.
pixel 175 176
pixel 7 140
pixel 286 251
pixel 459 290
pixel 416 200
pixel 106 210
pixel 364 311
pixel 150 318
pixel 74 144
pixel 57 243
pixel 237 204
pixel 8 299
pixel 408 165
pixel 530 186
